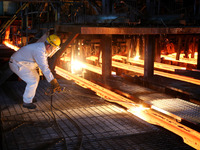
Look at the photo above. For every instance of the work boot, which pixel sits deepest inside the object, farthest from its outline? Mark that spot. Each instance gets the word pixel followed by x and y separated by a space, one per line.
pixel 29 105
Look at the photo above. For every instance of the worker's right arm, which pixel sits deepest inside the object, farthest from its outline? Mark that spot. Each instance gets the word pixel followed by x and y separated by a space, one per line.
pixel 41 59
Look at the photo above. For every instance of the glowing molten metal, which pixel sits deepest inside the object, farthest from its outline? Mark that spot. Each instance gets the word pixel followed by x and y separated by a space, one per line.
pixel 10 45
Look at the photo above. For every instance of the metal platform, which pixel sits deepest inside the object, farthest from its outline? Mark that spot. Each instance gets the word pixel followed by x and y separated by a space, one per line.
pixel 164 102
pixel 79 119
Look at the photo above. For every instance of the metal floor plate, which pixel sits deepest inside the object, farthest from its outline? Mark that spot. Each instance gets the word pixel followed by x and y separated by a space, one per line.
pixel 179 107
pixel 78 114
pixel 176 106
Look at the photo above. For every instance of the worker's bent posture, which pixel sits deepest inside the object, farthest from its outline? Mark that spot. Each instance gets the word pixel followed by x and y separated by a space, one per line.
pixel 25 61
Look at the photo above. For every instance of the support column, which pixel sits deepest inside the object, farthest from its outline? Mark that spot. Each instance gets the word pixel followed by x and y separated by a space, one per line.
pixel 179 48
pixel 128 48
pixel 157 50
pixel 193 46
pixel 106 46
pixel 106 7
pixel 149 56
pixel 142 46
pixel 57 13
pixel 24 30
pixel 187 42
pixel 198 57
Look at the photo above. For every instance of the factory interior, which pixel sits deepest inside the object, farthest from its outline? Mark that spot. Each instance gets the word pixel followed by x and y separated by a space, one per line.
pixel 129 73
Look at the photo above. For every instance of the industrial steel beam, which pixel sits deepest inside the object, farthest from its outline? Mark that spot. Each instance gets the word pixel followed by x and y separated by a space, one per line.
pixel 33 0
pixel 126 30
pixel 106 45
pixel 149 56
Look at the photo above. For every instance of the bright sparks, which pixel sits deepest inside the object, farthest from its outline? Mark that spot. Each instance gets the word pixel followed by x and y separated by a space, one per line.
pixel 136 57
pixel 138 111
pixel 77 66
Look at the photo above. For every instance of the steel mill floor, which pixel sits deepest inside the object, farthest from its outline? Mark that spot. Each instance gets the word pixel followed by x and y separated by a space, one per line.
pixel 172 105
pixel 76 119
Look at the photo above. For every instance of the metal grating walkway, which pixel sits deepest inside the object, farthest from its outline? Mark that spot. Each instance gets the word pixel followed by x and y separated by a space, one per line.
pixel 80 115
pixel 179 107
pixel 176 106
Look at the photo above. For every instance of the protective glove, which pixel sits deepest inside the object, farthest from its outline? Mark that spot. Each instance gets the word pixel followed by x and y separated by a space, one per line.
pixel 55 85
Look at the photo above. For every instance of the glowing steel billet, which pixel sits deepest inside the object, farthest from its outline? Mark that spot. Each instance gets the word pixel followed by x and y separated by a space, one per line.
pixel 7 41
pixel 156 64
pixel 10 45
pixel 178 77
pixel 181 59
pixel 128 67
pixel 168 75
pixel 190 136
pixel 93 68
pixel 92 58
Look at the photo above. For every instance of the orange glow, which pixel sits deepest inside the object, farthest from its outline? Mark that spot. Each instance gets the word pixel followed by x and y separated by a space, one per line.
pixel 156 64
pixel 137 57
pixel 77 65
pixel 95 69
pixel 141 71
pixel 7 41
pixel 138 111
pixel 168 75
pixel 190 136
pixel 8 44
pixel 103 92
pixel 65 59
pixel 182 58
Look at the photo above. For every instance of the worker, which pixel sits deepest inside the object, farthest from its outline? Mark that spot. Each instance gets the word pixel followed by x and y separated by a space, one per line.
pixel 25 63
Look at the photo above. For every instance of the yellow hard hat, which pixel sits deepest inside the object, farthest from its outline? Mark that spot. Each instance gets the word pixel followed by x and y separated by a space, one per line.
pixel 54 40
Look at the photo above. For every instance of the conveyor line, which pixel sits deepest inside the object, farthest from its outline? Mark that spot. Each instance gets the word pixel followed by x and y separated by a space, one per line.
pixel 172 57
pixel 190 136
pixel 157 65
pixel 173 107
pixel 141 71
pixel 93 68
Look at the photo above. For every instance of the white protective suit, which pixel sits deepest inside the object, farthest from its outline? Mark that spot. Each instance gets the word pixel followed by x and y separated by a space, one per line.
pixel 24 63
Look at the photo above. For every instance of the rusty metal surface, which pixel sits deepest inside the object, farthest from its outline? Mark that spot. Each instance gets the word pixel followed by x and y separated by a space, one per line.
pixel 104 125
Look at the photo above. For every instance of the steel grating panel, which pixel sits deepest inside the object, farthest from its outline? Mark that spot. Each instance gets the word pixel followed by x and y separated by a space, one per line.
pixel 134 89
pixel 179 107
pixel 162 101
pixel 103 125
pixel 148 97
